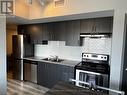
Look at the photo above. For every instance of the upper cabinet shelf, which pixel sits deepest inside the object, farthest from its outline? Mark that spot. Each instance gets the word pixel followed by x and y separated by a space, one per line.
pixel 68 31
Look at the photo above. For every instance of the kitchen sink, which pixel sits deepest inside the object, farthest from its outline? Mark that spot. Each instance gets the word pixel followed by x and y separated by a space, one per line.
pixel 47 59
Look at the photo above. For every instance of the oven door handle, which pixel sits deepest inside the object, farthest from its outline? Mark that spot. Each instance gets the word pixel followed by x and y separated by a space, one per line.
pixel 88 72
pixel 99 87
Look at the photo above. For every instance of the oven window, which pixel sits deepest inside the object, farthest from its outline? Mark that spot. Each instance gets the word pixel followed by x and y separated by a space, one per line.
pixel 93 80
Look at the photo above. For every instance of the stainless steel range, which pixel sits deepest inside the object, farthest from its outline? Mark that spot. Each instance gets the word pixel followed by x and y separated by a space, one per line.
pixel 94 70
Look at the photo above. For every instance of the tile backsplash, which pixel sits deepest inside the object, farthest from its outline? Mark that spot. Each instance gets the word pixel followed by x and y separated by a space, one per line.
pixel 90 45
pixel 95 45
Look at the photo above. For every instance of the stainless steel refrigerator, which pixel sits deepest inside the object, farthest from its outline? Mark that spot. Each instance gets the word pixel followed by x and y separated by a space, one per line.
pixel 21 48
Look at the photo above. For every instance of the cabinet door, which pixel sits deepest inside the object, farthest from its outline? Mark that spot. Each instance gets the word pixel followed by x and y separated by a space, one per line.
pixel 48 74
pixel 54 74
pixel 42 75
pixel 50 31
pixel 22 29
pixel 45 32
pixel 35 32
pixel 87 26
pixel 72 33
pixel 103 25
pixel 59 31
pixel 67 73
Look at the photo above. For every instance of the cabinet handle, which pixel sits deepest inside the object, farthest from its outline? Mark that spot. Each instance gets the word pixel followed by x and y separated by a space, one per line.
pixel 45 66
pixel 78 42
pixel 95 28
pixel 92 28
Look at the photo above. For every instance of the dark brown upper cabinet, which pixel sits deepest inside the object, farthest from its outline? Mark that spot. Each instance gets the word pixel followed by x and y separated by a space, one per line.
pixel 103 25
pixel 54 31
pixel 22 29
pixel 35 32
pixel 97 25
pixel 32 31
pixel 68 31
pixel 49 31
pixel 72 37
pixel 87 26
pixel 59 31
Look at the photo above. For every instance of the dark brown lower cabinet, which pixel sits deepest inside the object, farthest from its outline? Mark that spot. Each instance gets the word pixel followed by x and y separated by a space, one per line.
pixel 49 74
pixel 67 73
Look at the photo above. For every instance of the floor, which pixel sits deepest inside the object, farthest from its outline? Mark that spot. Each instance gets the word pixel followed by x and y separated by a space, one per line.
pixel 16 87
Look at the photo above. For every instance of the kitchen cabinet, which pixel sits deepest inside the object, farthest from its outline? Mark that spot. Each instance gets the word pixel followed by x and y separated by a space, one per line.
pixel 67 73
pixel 50 31
pixel 49 74
pixel 68 31
pixel 72 33
pixel 42 74
pixel 54 31
pixel 97 25
pixel 35 32
pixel 22 29
pixel 103 25
pixel 87 26
pixel 46 31
pixel 59 31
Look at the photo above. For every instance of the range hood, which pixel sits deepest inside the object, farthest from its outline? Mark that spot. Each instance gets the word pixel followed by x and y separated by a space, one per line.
pixel 95 35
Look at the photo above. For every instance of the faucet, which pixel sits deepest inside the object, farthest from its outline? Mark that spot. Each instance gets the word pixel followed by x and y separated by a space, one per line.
pixel 53 58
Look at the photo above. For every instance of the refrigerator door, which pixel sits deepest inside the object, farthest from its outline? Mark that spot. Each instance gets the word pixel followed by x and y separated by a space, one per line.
pixel 18 69
pixel 18 46
pixel 21 49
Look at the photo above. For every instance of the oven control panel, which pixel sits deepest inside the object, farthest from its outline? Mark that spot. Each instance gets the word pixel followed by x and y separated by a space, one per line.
pixel 90 56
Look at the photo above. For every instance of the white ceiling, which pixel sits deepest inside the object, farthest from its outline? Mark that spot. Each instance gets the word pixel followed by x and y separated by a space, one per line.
pixel 19 20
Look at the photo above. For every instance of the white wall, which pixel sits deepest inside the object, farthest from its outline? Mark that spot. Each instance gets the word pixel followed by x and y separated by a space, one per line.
pixel 101 46
pixel 10 30
pixel 117 50
pixel 3 56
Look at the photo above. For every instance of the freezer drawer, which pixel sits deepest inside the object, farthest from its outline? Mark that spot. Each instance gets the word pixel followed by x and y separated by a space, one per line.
pixel 30 71
pixel 18 69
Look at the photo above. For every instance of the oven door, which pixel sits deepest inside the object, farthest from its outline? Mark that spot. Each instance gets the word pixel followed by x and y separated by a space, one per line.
pixel 92 78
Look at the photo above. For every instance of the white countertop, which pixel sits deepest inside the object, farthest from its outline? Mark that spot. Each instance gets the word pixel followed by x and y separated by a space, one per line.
pixel 66 62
